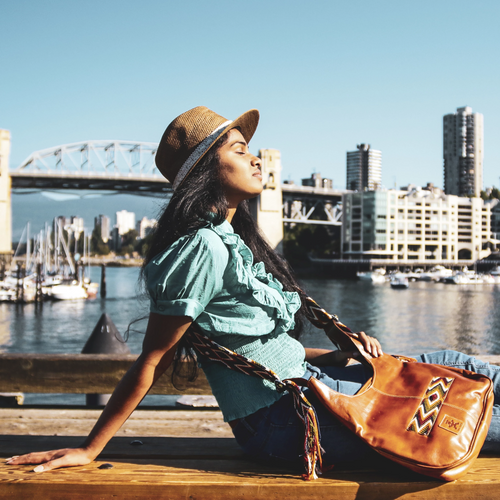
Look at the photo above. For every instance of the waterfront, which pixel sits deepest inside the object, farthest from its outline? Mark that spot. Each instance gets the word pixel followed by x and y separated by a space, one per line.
pixel 425 317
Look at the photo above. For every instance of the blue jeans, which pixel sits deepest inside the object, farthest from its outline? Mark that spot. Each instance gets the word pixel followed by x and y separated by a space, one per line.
pixel 276 434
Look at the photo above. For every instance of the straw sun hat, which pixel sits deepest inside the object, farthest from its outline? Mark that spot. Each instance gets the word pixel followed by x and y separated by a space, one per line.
pixel 191 135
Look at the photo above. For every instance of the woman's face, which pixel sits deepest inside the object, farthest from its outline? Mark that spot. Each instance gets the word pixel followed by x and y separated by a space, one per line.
pixel 240 170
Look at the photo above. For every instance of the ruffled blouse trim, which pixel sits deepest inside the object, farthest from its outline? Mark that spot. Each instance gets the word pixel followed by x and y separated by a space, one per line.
pixel 255 278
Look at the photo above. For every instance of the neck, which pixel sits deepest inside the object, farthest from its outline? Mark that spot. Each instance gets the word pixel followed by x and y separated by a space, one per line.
pixel 230 214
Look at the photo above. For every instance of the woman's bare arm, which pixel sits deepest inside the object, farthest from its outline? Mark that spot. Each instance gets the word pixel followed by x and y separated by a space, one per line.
pixel 325 357
pixel 162 336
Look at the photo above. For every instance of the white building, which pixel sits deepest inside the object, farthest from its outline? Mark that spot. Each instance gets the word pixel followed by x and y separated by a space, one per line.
pixel 77 226
pixel 145 226
pixel 364 169
pixel 125 221
pixel 463 138
pixel 415 225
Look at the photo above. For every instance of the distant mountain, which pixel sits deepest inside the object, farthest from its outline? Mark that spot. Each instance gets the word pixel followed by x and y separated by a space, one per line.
pixel 37 209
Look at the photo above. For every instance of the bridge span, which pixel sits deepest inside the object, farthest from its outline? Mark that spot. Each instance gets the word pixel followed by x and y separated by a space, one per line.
pixel 128 167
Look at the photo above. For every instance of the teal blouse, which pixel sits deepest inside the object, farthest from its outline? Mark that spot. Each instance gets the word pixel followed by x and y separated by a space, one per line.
pixel 210 276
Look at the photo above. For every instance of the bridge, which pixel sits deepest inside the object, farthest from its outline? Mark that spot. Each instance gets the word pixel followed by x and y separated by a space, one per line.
pixel 129 167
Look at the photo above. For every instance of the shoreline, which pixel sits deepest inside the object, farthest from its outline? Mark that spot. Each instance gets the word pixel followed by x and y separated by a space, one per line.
pixel 115 262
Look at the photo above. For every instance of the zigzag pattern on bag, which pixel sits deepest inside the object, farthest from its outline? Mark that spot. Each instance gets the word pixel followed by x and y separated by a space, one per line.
pixel 427 412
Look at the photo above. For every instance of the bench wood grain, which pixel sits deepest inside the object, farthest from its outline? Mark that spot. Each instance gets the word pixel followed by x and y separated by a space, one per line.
pixel 80 374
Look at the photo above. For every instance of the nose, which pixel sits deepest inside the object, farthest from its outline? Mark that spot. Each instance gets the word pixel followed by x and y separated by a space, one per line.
pixel 257 162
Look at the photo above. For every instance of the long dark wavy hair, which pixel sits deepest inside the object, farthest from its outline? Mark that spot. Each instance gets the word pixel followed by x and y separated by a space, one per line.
pixel 201 193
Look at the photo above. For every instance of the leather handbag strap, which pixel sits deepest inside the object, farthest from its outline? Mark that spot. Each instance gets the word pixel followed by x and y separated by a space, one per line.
pixel 341 335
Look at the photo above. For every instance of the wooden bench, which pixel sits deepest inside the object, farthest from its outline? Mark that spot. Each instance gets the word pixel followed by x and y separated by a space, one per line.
pixel 184 454
pixel 78 374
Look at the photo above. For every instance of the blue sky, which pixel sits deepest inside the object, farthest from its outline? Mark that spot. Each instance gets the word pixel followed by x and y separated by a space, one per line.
pixel 326 75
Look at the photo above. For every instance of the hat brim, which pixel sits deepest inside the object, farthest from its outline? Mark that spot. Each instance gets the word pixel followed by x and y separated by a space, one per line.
pixel 247 123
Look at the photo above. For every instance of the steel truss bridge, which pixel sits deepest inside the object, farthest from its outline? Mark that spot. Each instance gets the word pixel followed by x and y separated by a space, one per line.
pixel 129 167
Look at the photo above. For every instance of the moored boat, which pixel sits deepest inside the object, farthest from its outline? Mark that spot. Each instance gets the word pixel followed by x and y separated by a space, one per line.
pixel 377 276
pixel 437 273
pixel 399 281
pixel 72 291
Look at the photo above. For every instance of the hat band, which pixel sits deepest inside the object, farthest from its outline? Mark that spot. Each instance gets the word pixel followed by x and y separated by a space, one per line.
pixel 199 151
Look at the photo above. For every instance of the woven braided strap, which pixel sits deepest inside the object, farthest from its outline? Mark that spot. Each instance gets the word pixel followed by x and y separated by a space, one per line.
pixel 237 362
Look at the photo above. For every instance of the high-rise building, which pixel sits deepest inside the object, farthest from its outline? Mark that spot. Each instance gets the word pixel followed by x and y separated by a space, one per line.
pixel 463 138
pixel 125 221
pixel 103 224
pixel 364 169
pixel 76 226
pixel 145 226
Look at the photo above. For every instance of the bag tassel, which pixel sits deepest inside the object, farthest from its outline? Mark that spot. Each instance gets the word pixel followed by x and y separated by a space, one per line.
pixel 305 411
pixel 312 448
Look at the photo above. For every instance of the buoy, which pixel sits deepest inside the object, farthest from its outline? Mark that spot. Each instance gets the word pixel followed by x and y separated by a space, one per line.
pixel 105 339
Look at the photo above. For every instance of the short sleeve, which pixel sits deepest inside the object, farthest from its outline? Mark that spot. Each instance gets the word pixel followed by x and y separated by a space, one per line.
pixel 182 280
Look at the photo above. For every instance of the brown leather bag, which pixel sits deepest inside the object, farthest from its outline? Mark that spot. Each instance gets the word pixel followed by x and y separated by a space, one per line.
pixel 432 419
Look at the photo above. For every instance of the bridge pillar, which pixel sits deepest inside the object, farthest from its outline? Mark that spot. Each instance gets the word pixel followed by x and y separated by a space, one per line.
pixel 5 201
pixel 268 207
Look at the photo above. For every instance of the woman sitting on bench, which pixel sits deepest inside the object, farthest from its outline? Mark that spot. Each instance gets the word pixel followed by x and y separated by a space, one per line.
pixel 209 264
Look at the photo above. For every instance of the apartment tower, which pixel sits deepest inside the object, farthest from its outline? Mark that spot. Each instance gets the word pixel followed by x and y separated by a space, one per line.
pixel 463 138
pixel 364 169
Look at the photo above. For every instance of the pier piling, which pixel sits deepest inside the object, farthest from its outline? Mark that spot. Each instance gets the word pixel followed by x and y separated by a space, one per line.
pixel 20 284
pixel 38 289
pixel 103 281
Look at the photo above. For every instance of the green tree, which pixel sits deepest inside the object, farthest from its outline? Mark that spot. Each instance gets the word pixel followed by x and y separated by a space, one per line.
pixel 129 240
pixel 97 245
pixel 316 240
pixel 142 246
pixel 495 194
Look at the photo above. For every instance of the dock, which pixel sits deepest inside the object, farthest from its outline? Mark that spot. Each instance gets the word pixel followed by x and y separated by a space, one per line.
pixel 169 453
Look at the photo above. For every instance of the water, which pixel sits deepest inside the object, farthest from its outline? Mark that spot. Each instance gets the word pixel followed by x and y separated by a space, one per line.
pixel 426 317
pixel 63 327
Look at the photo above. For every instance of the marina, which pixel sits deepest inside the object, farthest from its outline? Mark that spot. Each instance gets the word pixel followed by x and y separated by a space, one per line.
pixel 437 274
pixel 49 271
pixel 431 316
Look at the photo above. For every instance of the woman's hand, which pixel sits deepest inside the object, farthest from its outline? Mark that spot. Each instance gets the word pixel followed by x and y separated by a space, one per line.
pixel 48 460
pixel 371 344
pixel 324 357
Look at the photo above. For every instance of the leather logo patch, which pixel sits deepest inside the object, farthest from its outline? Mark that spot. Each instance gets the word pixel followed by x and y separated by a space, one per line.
pixel 451 424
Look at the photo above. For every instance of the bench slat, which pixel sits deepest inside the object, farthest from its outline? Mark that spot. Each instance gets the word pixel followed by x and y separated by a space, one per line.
pixel 80 374
pixel 71 422
pixel 226 479
pixel 120 447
